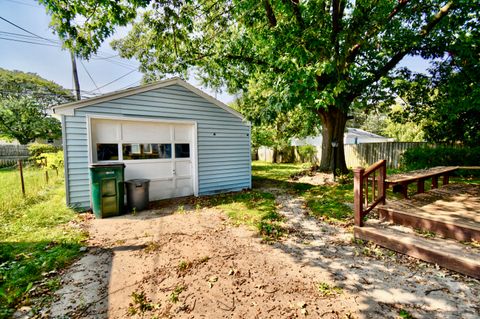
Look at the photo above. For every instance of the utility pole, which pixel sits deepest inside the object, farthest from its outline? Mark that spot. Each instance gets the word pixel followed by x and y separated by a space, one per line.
pixel 75 75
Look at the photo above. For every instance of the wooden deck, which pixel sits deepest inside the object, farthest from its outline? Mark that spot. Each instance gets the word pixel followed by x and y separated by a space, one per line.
pixel 451 212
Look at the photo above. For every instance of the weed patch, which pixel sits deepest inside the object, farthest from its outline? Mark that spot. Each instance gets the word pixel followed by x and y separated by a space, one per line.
pixel 140 304
pixel 176 293
pixel 327 290
pixel 329 202
pixel 254 208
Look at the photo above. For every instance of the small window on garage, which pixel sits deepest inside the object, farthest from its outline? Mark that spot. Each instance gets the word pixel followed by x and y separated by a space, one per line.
pixel 107 152
pixel 164 150
pixel 146 151
pixel 182 150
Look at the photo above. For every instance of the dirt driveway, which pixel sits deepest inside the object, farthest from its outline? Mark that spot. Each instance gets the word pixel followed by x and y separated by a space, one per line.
pixel 193 263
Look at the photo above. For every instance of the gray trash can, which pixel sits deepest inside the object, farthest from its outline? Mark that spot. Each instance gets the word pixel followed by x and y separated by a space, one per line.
pixel 137 194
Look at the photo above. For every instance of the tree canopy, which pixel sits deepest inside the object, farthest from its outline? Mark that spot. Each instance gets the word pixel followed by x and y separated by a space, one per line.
pixel 323 56
pixel 24 102
pixel 446 102
pixel 18 84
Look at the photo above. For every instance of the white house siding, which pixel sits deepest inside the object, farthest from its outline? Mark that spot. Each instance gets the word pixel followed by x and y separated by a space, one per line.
pixel 223 159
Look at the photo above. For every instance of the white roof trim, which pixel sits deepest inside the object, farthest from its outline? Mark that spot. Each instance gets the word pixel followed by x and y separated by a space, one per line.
pixel 68 108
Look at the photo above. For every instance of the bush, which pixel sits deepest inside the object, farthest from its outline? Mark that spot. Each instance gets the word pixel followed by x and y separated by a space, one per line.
pixel 36 149
pixel 307 153
pixel 54 160
pixel 421 158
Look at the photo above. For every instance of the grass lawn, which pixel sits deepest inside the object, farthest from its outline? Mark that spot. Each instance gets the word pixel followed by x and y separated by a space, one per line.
pixel 35 237
pixel 253 208
pixel 328 202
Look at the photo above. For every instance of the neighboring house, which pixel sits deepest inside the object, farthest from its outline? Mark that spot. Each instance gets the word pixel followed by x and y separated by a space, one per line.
pixel 183 140
pixel 352 136
pixel 56 142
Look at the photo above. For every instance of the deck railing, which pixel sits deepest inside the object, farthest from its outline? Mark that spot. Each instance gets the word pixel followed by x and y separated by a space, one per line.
pixel 369 189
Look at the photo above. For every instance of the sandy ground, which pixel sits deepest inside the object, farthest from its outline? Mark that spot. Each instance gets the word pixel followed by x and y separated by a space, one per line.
pixel 195 264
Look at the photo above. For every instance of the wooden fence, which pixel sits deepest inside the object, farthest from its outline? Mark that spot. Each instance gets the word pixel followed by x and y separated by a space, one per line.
pixel 361 154
pixel 369 153
pixel 10 154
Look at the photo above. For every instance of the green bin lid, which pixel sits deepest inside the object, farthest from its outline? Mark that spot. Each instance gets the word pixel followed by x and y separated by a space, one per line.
pixel 110 165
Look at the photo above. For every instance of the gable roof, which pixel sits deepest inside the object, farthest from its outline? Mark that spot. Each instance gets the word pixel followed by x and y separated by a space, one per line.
pixel 68 108
pixel 359 133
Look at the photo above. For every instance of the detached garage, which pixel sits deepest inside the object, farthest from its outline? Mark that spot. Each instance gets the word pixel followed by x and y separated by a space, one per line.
pixel 181 139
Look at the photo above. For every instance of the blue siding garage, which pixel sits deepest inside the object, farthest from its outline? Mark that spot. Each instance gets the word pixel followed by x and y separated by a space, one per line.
pixel 187 142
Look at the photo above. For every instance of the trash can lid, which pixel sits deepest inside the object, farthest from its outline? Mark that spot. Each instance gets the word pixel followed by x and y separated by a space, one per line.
pixel 94 165
pixel 138 181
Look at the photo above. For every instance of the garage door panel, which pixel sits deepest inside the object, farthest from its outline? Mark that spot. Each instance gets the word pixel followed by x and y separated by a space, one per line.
pixel 183 168
pixel 183 133
pixel 146 132
pixel 184 182
pixel 104 131
pixel 184 186
pixel 161 190
pixel 148 170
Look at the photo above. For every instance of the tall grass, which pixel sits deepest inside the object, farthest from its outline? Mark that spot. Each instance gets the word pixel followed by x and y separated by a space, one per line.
pixel 11 197
pixel 35 235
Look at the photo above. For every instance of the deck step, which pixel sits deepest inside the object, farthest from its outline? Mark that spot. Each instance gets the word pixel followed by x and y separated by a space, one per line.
pixel 444 252
pixel 458 230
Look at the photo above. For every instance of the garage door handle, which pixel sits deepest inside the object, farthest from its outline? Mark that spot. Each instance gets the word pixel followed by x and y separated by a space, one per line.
pixel 173 171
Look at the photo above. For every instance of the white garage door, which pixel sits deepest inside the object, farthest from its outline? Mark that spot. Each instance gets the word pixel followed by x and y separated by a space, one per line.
pixel 160 152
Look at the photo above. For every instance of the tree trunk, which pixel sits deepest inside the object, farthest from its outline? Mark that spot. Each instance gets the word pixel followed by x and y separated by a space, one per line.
pixel 333 128
pixel 275 154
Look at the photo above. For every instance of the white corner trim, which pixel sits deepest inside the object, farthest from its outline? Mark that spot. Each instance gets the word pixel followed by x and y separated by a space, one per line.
pixel 69 108
pixel 89 138
pixel 195 157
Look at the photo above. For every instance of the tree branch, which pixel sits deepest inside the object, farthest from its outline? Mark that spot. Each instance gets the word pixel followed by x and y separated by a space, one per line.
pixel 355 49
pixel 295 6
pixel 270 15
pixel 402 53
pixel 335 24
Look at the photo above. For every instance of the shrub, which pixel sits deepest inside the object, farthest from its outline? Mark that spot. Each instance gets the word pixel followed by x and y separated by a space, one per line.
pixel 54 160
pixel 307 153
pixel 421 158
pixel 36 149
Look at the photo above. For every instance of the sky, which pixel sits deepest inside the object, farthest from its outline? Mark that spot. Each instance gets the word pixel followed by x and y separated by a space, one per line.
pixel 106 71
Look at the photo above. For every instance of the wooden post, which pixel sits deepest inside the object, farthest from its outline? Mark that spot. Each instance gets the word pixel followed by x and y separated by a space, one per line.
pixel 446 178
pixel 46 171
pixel 381 182
pixel 420 186
pixel 358 195
pixel 20 168
pixel 404 189
pixel 434 182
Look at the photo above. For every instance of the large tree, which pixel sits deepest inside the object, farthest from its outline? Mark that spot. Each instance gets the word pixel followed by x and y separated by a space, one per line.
pixel 24 120
pixel 319 55
pixel 446 102
pixel 17 84
pixel 25 99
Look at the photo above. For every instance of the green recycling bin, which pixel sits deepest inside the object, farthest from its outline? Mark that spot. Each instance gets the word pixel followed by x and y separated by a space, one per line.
pixel 107 189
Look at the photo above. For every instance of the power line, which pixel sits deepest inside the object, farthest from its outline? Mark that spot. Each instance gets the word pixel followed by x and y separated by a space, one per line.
pixel 8 37
pixel 30 42
pixel 56 44
pixel 14 34
pixel 131 84
pixel 25 30
pixel 105 58
pixel 119 78
pixel 22 3
pixel 91 78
